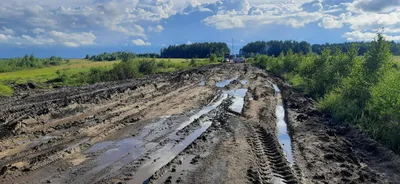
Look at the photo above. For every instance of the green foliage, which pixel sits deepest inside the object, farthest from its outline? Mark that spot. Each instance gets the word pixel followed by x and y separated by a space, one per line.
pixel 192 62
pixel 195 50
pixel 5 90
pixel 147 67
pixel 364 91
pixel 27 62
pixel 274 48
pixel 124 56
pixel 214 58
pixel 130 68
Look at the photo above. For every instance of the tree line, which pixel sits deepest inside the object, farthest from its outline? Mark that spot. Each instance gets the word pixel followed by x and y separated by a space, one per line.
pixel 119 56
pixel 28 62
pixel 363 91
pixel 274 48
pixel 195 50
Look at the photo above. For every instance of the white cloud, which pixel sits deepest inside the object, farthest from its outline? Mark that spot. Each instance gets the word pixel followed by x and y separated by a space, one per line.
pixel 4 37
pixel 157 28
pixel 73 39
pixel 189 42
pixel 392 30
pixel 295 20
pixel 330 22
pixel 135 30
pixel 120 16
pixel 367 36
pixel 7 31
pixel 242 14
pixel 38 30
pixel 313 6
pixel 140 42
pixel 376 5
pixel 51 38
pixel 359 36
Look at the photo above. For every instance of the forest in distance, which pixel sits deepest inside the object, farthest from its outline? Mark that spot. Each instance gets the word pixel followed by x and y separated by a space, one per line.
pixel 270 48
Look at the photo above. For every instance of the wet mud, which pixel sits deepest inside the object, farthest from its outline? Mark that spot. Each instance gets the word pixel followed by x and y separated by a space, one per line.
pixel 230 123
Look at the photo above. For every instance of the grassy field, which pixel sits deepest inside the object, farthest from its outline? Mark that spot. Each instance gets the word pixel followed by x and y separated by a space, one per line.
pixel 74 66
pixel 48 73
pixel 396 59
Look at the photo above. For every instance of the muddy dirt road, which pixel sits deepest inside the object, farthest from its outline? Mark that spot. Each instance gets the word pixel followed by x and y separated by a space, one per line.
pixel 228 123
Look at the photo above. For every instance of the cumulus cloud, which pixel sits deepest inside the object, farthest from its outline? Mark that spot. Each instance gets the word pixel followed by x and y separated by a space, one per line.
pixel 38 30
pixel 7 31
pixel 140 42
pixel 51 38
pixel 241 14
pixel 134 30
pixel 367 36
pixel 313 6
pixel 157 28
pixel 33 18
pixel 376 5
pixel 330 22
pixel 296 20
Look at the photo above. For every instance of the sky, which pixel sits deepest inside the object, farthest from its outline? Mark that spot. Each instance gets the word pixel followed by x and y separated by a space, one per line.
pixel 75 28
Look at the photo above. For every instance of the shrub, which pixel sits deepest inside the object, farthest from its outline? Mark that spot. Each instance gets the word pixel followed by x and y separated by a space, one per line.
pixel 5 90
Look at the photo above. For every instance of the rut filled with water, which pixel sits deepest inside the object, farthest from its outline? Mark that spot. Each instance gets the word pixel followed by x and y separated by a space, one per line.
pixel 283 135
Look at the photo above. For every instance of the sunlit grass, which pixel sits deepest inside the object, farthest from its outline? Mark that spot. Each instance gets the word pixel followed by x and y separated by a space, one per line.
pixel 396 59
pixel 48 73
pixel 75 66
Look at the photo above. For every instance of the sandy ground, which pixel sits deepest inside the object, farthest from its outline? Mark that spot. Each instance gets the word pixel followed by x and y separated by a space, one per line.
pixel 229 123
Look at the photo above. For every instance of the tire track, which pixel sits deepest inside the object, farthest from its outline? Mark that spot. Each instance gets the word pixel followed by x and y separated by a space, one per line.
pixel 271 165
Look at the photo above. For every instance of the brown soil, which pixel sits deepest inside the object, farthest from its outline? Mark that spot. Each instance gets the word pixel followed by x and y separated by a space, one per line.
pixel 168 128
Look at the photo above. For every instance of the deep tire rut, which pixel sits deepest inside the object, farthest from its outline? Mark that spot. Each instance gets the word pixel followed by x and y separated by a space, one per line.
pixel 271 165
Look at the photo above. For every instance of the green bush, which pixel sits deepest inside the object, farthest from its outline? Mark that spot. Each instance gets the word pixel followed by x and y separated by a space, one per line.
pixel 147 67
pixel 5 90
pixel 363 91
pixel 27 62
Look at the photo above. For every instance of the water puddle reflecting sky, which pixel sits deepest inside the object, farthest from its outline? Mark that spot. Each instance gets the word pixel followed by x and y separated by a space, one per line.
pixel 224 83
pixel 283 136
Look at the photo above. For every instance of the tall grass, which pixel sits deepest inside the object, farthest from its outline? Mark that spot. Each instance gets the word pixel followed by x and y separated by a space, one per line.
pixel 5 90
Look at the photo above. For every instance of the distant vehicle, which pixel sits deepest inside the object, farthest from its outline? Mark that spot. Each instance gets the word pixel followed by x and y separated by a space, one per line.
pixel 226 58
pixel 239 60
pixel 233 59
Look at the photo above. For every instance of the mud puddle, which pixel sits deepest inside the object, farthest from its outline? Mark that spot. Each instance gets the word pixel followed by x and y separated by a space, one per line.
pixel 117 154
pixel 224 83
pixel 283 136
pixel 238 99
pixel 165 155
pixel 214 104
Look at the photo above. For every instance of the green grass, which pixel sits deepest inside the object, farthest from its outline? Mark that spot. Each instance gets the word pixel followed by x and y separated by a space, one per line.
pixel 178 60
pixel 5 90
pixel 48 73
pixel 76 67
pixel 396 59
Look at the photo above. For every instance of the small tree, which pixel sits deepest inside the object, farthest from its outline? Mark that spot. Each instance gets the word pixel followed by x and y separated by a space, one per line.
pixel 213 57
pixel 192 62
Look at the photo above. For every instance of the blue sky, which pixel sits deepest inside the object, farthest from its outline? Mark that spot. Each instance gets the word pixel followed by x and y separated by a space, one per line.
pixel 75 28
